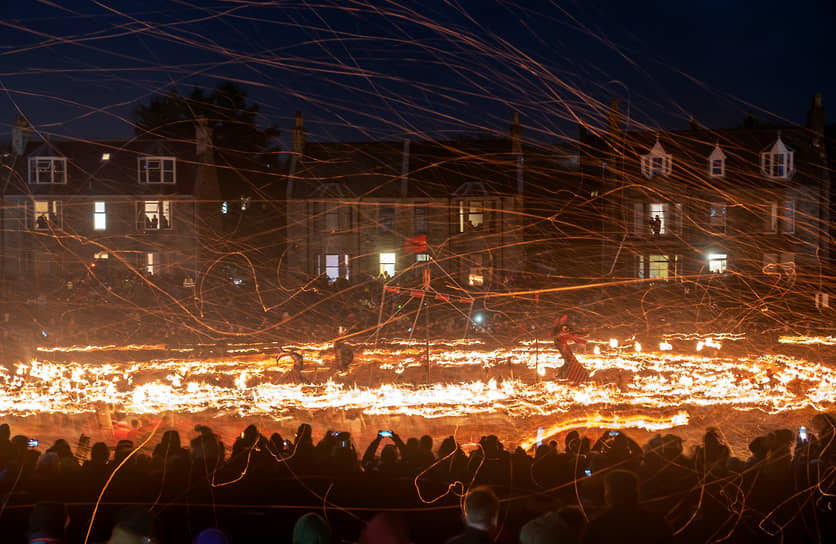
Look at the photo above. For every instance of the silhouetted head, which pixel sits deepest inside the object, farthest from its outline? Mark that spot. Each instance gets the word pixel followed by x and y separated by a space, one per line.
pixel 481 508
pixel 426 442
pixel 99 453
pixel 621 488
pixel 311 529
pixel 5 432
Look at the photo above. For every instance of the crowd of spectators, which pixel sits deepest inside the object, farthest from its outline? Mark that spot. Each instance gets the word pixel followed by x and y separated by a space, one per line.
pixel 588 490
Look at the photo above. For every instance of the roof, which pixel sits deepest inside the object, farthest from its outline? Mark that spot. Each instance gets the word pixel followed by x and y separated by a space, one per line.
pixel 88 173
pixel 410 169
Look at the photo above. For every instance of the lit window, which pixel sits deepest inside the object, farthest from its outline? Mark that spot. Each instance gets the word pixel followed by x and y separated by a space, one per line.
pixel 105 156
pixel 717 217
pixel 717 263
pixel 658 221
pixel 47 214
pixel 47 170
pixel 771 219
pixel 778 160
pixel 658 266
pixel 387 263
pixel 157 170
pixel 101 255
pixel 332 266
pixel 99 216
pixel 152 263
pixel 422 257
pixel 332 219
pixel 471 215
pixel 155 215
pixel 476 277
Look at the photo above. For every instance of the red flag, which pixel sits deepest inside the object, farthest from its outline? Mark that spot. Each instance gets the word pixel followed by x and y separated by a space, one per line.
pixel 466 300
pixel 389 289
pixel 416 293
pixel 417 244
pixel 443 298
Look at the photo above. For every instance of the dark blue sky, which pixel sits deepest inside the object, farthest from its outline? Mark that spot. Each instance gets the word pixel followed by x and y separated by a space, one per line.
pixel 360 70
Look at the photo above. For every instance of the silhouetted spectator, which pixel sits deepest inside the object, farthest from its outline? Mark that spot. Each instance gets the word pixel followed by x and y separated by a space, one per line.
pixel 550 528
pixel 211 536
pixel 48 523
pixel 134 525
pixel 481 515
pixel 625 520
pixel 385 528
pixel 311 529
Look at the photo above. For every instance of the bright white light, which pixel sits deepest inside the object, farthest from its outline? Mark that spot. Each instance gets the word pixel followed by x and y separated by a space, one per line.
pixel 597 350
pixel 613 343
pixel 105 156
pixel 478 318
pixel 665 346
pixel 700 345
pixel 541 370
pixel 638 347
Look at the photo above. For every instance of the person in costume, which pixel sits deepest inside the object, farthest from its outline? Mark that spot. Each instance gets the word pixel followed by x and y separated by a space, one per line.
pixel 298 361
pixel 563 334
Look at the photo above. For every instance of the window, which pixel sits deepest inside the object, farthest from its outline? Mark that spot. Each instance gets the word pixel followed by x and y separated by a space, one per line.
pixel 771 219
pixel 656 162
pixel 105 156
pixel 420 220
pixel 332 218
pixel 47 215
pixel 789 217
pixel 476 278
pixel 152 263
pixel 386 218
pixel 387 263
pixel 778 161
pixel 717 263
pixel 332 267
pixel 658 221
pixel 156 170
pixel 471 215
pixel 422 257
pixel 658 266
pixel 717 217
pixel 717 162
pixel 47 170
pixel 101 256
pixel 640 266
pixel 99 216
pixel 155 215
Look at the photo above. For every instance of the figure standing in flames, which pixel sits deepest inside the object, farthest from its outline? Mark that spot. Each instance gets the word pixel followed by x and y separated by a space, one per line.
pixel 298 362
pixel 563 334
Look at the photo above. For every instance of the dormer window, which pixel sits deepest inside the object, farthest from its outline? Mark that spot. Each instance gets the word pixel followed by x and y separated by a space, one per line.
pixel 717 162
pixel 157 170
pixel 656 162
pixel 778 161
pixel 47 170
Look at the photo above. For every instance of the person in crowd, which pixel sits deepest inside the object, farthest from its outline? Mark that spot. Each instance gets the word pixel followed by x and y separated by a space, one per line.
pixel 311 528
pixel 48 523
pixel 481 517
pixel 550 528
pixel 385 528
pixel 211 536
pixel 625 520
pixel 134 525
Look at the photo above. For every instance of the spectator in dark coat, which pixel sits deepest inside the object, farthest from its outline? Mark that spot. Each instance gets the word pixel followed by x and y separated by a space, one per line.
pixel 625 520
pixel 481 515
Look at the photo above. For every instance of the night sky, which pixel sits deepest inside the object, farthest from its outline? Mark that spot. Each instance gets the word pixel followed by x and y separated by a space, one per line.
pixel 382 69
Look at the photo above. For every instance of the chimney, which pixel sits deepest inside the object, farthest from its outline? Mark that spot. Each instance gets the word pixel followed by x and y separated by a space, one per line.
pixel 516 135
pixel 202 135
pixel 692 124
pixel 20 135
pixel 299 135
pixel 815 116
pixel 614 120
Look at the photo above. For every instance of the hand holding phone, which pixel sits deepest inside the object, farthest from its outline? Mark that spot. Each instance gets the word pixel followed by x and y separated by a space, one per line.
pixel 33 443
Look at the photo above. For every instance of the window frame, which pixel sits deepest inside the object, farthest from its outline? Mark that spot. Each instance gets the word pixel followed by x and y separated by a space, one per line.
pixel 143 171
pixel 716 226
pixel 34 171
pixel 143 221
pixel 53 206
pixel 788 217
pixel 97 215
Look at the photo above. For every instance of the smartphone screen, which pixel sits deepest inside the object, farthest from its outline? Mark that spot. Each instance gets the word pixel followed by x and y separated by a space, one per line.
pixel 385 434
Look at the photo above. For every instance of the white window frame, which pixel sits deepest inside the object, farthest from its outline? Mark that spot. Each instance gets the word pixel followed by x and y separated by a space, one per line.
pixel 771 220
pixel 151 263
pixel 53 206
pixel 660 209
pixel 165 208
pixel 99 215
pixel 47 170
pixel 656 162
pixel 778 162
pixel 471 212
pixel 146 166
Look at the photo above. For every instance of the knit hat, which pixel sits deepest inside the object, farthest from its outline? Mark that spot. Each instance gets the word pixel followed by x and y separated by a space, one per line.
pixel 311 529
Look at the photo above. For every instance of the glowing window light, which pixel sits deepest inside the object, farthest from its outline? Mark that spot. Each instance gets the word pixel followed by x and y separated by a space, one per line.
pixel 613 343
pixel 637 347
pixel 665 346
